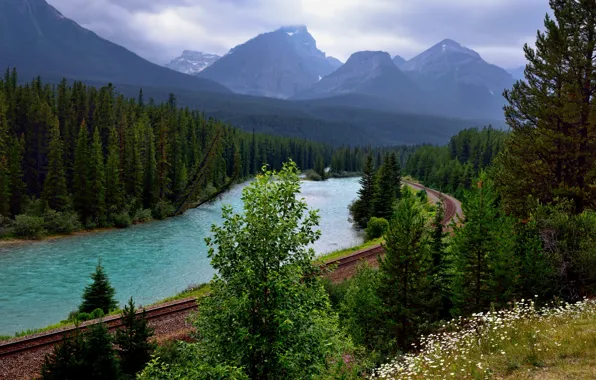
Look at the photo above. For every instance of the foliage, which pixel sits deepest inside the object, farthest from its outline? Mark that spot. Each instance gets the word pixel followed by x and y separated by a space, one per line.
pixel 453 168
pixel 387 187
pixel 28 226
pixel 65 222
pixel 134 347
pixel 99 294
pixel 142 216
pixel 162 210
pixel 362 311
pixel 376 228
pixel 362 208
pixel 485 266
pixel 87 355
pixel 550 156
pixel 404 272
pixel 183 364
pixel 122 219
pixel 269 319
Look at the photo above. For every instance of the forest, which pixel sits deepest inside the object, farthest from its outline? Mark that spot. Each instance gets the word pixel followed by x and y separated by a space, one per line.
pixel 74 157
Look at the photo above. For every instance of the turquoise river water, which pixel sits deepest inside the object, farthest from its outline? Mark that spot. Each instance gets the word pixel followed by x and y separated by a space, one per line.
pixel 41 282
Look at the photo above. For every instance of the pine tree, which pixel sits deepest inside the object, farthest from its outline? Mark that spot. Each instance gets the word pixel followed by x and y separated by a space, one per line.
pixel 440 266
pixel 404 271
pixel 385 193
pixel 67 359
pixel 80 183
pixel 133 341
pixel 551 152
pixel 362 209
pixel 482 253
pixel 99 294
pixel 113 192
pixel 55 192
pixel 395 174
pixel 97 180
pixel 4 160
pixel 320 168
pixel 18 188
pixel 150 181
pixel 100 357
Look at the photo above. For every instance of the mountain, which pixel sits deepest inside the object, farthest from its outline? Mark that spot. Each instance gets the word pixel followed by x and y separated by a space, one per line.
pixel 455 72
pixel 192 62
pixel 276 64
pixel 399 61
pixel 518 73
pixel 371 73
pixel 335 63
pixel 38 40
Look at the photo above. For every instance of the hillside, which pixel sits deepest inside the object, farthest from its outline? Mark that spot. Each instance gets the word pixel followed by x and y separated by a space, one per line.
pixel 38 40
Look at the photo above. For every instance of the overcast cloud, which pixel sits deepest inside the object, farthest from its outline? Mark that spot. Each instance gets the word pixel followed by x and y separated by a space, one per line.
pixel 159 30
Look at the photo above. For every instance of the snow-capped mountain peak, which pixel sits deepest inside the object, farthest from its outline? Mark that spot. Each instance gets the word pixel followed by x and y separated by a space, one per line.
pixel 192 62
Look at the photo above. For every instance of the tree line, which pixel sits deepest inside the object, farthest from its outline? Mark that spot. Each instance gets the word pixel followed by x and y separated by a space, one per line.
pixel 454 167
pixel 73 156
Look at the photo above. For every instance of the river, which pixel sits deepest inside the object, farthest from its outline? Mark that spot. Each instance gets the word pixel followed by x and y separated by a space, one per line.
pixel 41 282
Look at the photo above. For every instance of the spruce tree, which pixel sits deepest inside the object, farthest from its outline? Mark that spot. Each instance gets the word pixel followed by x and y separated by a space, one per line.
pixel 55 192
pixel 97 180
pixel 18 189
pixel 404 271
pixel 113 194
pixel 396 174
pixel 133 341
pixel 99 294
pixel 100 358
pixel 4 160
pixel 362 209
pixel 551 153
pixel 385 193
pixel 68 359
pixel 483 253
pixel 81 192
pixel 150 181
pixel 440 266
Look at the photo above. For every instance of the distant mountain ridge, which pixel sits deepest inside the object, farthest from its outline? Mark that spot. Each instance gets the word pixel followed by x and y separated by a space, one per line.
pixel 370 73
pixel 453 71
pixel 192 62
pixel 38 40
pixel 276 64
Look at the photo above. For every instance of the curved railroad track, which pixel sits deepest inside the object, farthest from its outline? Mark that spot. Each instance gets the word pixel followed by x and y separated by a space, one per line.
pixel 345 266
pixel 17 349
pixel 113 322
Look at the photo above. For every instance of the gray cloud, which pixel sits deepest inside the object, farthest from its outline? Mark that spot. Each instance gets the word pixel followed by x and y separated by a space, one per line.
pixel 160 30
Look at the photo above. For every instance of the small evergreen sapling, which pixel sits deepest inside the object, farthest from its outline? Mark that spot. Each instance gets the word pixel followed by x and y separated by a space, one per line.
pixel 99 294
pixel 134 345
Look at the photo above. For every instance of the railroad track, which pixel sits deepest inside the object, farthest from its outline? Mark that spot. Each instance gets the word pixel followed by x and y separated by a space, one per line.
pixel 52 337
pixel 159 311
pixel 449 204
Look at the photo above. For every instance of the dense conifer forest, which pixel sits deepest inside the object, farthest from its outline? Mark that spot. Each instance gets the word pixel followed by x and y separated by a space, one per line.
pixel 75 157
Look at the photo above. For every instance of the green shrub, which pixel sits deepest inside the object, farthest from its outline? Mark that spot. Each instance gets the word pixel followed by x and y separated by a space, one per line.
pixel 5 226
pixel 313 175
pixel 34 207
pixel 122 220
pixel 376 228
pixel 27 226
pixel 142 216
pixel 61 222
pixel 162 210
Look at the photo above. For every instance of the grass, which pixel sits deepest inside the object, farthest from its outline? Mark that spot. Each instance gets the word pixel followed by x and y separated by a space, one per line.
pixel 556 342
pixel 348 251
pixel 192 291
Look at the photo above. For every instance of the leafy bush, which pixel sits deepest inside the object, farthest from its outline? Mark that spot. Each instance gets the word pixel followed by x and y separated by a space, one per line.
pixel 34 207
pixel 61 222
pixel 27 226
pixel 142 216
pixel 5 226
pixel 162 210
pixel 122 220
pixel 313 175
pixel 82 317
pixel 376 228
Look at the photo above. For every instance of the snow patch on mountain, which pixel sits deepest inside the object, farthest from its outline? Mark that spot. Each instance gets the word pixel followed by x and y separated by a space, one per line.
pixel 192 62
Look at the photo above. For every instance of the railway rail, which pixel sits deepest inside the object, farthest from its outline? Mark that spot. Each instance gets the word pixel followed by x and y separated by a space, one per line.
pixel 346 264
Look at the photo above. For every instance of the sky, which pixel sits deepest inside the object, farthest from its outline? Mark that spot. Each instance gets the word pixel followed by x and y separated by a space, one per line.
pixel 159 30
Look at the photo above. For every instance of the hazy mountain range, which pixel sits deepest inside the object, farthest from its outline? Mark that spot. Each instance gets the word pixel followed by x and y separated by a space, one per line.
pixel 278 82
pixel 448 78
